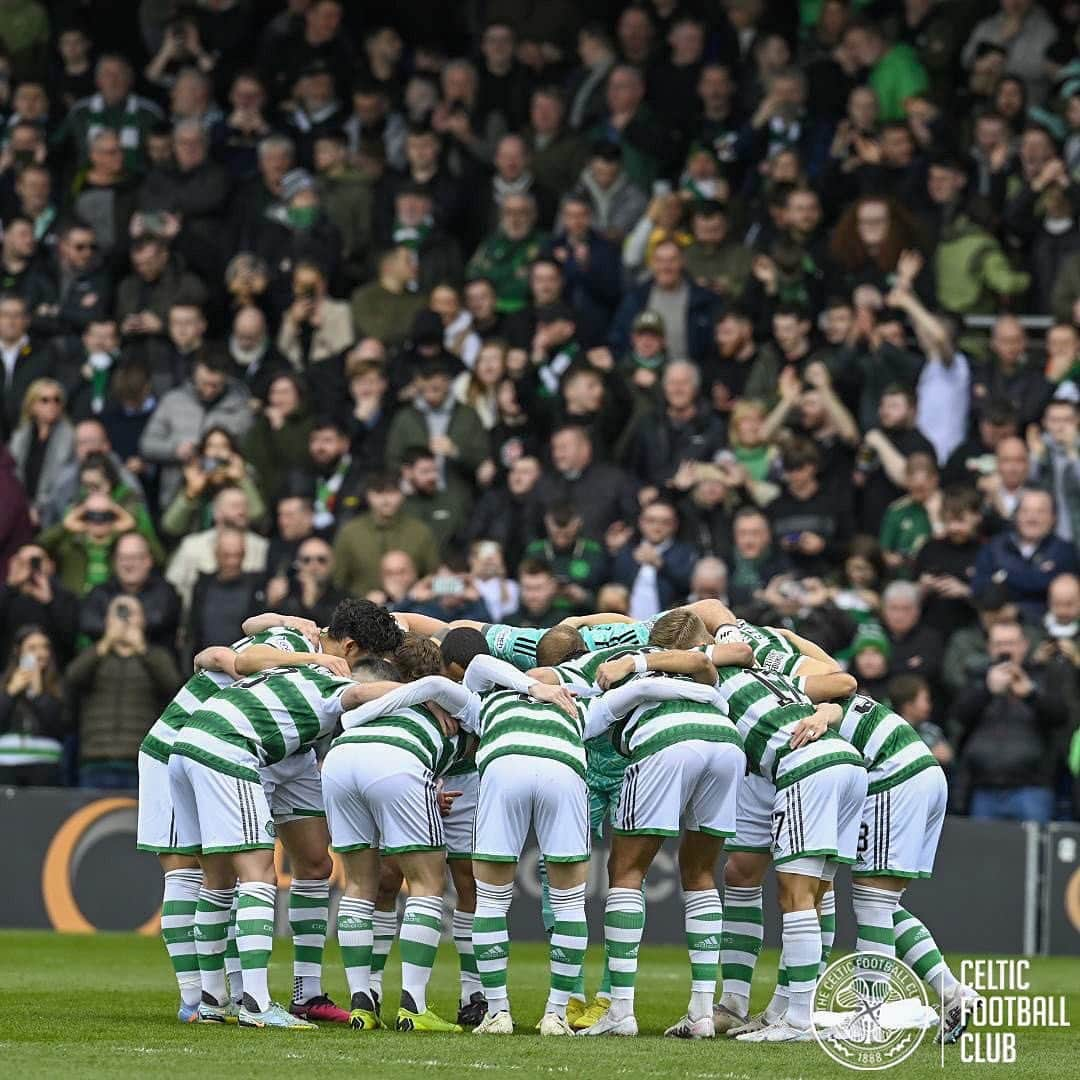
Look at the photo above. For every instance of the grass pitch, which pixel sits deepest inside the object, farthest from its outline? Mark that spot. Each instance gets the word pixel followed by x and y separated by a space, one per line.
pixel 104 1006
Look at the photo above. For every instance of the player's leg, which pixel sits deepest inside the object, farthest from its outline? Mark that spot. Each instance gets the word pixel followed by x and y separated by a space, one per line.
pixel 180 897
pixel 421 928
pixel 384 922
pixel 748 856
pixel 354 933
pixel 503 816
pixel 182 879
pixel 827 921
pixel 458 829
pixel 307 841
pixel 712 775
pixel 624 924
pixel 561 821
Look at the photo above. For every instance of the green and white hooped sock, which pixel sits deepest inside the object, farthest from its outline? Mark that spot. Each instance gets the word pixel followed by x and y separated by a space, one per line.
pixel 469 977
pixel 704 922
pixel 384 926
pixel 624 925
pixel 915 945
pixel 309 911
pixel 421 929
pixel 744 931
pixel 212 914
pixel 827 920
pixel 491 942
pixel 355 940
pixel 255 939
pixel 569 940
pixel 802 956
pixel 179 900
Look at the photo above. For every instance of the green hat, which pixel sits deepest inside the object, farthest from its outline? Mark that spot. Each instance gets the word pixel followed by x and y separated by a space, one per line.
pixel 871 635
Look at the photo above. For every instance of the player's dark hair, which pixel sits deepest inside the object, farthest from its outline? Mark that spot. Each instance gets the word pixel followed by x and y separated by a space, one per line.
pixel 373 628
pixel 372 669
pixel 461 644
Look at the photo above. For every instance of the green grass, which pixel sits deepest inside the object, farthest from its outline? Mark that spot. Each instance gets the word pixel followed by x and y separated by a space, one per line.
pixel 104 1006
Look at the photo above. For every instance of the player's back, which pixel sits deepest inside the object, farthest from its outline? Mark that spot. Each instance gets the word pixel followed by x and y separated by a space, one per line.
pixel 415 729
pixel 262 719
pixel 511 723
pixel 891 748
pixel 766 708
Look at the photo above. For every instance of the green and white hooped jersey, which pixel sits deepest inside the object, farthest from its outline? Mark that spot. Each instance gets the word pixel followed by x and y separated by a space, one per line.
pixel 203 685
pixel 582 670
pixel 771 651
pixel 414 729
pixel 766 707
pixel 512 723
pixel 517 644
pixel 261 720
pixel 891 748
pixel 656 725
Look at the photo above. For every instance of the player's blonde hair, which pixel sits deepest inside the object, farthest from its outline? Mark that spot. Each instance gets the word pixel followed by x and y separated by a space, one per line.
pixel 680 629
pixel 559 644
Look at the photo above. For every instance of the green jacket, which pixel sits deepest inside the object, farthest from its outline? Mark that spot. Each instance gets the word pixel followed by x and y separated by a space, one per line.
pixel 585 564
pixel 388 316
pixel 905 527
pixel 347 200
pixel 446 513
pixel 1066 288
pixel 898 75
pixel 506 263
pixel 408 431
pixel 972 270
pixel 729 263
pixel 79 565
pixel 274 454
pixel 183 515
pixel 361 543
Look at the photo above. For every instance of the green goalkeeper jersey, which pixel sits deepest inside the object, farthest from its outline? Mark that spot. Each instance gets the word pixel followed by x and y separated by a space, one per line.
pixel 203 685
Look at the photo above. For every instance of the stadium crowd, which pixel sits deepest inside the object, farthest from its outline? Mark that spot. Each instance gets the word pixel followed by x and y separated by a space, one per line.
pixel 562 307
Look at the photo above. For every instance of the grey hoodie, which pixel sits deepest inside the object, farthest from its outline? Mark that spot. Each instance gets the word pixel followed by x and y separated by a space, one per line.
pixel 619 207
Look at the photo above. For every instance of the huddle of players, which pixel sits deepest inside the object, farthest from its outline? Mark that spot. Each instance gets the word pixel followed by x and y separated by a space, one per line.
pixel 694 724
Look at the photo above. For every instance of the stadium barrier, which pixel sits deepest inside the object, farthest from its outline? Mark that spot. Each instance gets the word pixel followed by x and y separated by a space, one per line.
pixel 73 867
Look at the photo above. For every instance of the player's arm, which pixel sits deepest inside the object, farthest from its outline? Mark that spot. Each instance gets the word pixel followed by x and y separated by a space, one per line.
pixel 424 625
pixel 827 715
pixel 256 658
pixel 364 702
pixel 713 613
pixel 217 658
pixel 833 686
pixel 545 675
pixel 256 624
pixel 602 618
pixel 809 649
pixel 606 709
pixel 466 624
pixel 731 654
pixel 697 665
pixel 486 672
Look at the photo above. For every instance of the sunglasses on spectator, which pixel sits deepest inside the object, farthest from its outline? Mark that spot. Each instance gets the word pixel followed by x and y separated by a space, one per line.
pixel 49 399
pixel 305 559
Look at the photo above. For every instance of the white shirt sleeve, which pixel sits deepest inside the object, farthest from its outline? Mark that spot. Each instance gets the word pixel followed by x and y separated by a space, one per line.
pixel 452 697
pixel 484 672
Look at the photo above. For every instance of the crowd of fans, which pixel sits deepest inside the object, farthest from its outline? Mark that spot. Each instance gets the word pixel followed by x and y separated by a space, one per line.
pixel 538 308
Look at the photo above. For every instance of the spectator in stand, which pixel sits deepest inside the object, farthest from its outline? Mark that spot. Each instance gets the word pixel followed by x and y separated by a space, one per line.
pixel 216 464
pixel 657 568
pixel 20 362
pixel 223 599
pixel 539 591
pixel 121 684
pixel 311 593
pixel 915 648
pixel 1008 719
pixel 134 575
pixel 314 327
pixel 1055 463
pixel 337 479
pixel 196 553
pixel 33 716
pixel 444 514
pixel 385 308
pixel 1010 373
pixel 945 565
pixel 504 253
pixel 277 443
pixel 508 511
pixel 913 519
pixel 35 595
pixel 580 565
pixel 616 200
pixel 1027 556
pixel 754 560
pixel 361 543
pixel 43 443
pixel 209 399
pixel 910 698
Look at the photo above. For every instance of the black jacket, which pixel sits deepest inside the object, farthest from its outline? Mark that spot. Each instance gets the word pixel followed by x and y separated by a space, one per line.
pixel 160 604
